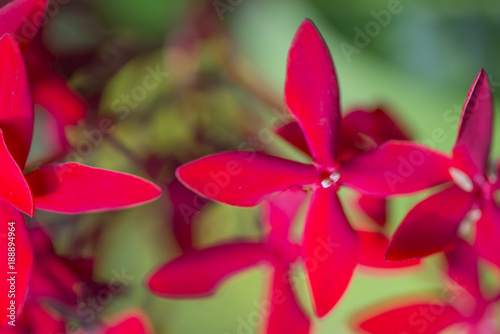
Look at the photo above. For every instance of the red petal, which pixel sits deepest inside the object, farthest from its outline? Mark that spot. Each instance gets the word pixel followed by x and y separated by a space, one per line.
pixel 22 264
pixel 293 134
pixel 331 249
pixel 395 167
pixel 22 18
pixel 74 188
pixel 488 233
pixel 181 277
pixel 431 226
pixel 377 124
pixel 373 247
pixel 375 208
pixel 185 206
pixel 280 212
pixel 364 130
pixel 311 92
pixel 14 188
pixel 285 314
pixel 474 133
pixel 55 96
pixel 42 322
pixel 16 108
pixel 463 267
pixel 128 323
pixel 424 318
pixel 243 178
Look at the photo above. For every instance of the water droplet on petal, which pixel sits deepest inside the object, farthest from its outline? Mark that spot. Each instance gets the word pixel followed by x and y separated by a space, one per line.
pixel 462 180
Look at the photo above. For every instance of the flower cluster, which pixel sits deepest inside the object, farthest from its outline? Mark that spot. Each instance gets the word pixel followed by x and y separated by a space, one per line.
pixel 320 209
pixel 368 152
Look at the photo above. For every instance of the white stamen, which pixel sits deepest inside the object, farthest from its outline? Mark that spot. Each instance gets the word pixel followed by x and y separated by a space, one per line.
pixel 461 179
pixel 330 180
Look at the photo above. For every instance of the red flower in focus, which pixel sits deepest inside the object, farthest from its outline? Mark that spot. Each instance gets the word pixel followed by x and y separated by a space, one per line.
pixel 432 225
pixel 66 188
pixel 362 131
pixel 181 277
pixel 461 305
pixel 245 178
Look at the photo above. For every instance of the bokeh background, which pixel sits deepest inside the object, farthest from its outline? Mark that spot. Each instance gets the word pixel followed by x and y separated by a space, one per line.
pixel 223 68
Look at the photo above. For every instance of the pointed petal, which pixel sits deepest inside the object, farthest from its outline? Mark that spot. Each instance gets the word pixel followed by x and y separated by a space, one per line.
pixel 293 134
pixel 375 208
pixel 423 318
pixel 463 267
pixel 285 313
pixel 22 18
pixel 181 277
pixel 431 226
pixel 373 247
pixel 473 142
pixel 312 94
pixel 243 178
pixel 488 233
pixel 73 188
pixel 16 108
pixel 396 167
pixel 14 188
pixel 331 249
pixel 19 239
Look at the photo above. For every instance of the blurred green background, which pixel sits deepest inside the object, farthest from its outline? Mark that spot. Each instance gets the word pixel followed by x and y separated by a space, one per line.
pixel 223 85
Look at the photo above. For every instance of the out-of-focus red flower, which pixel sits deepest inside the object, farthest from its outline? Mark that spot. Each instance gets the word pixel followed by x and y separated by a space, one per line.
pixel 22 19
pixel 180 277
pixel 461 304
pixel 65 188
pixel 245 178
pixel 51 91
pixel 432 225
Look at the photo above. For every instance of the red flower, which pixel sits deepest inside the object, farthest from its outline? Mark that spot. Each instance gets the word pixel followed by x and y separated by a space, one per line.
pixel 181 277
pixel 22 19
pixel 66 188
pixel 461 305
pixel 245 178
pixel 437 219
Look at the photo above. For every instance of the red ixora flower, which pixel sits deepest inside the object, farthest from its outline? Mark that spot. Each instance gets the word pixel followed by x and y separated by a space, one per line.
pixel 245 178
pixel 439 218
pixel 360 132
pixel 68 188
pixel 461 306
pixel 181 277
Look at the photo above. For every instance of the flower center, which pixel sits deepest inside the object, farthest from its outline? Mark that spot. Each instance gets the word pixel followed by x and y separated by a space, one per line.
pixel 330 180
pixel 461 179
